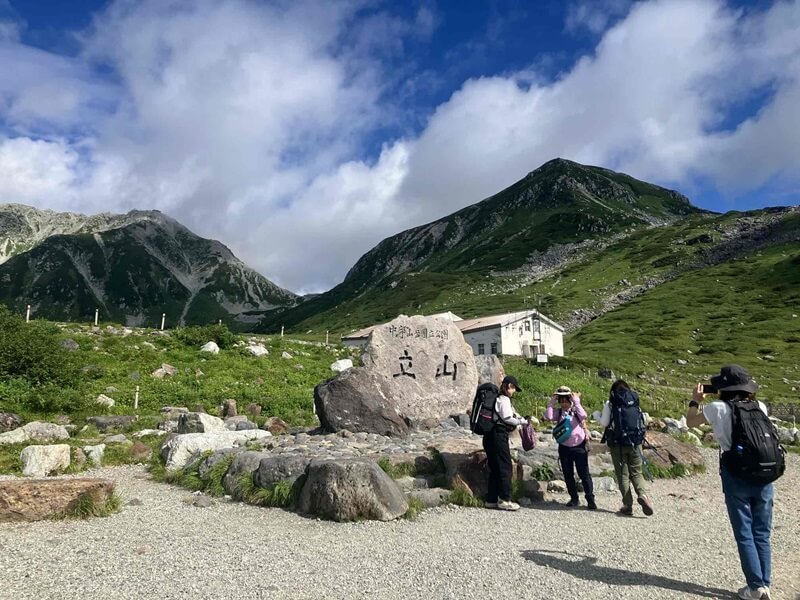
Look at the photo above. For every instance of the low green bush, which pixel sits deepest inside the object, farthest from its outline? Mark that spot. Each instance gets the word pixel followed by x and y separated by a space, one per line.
pixel 196 336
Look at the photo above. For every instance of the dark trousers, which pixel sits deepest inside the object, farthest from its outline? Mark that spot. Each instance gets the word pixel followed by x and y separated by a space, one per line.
pixel 498 456
pixel 576 458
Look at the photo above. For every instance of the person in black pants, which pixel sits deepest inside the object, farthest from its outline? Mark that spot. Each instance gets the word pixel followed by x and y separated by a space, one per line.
pixel 498 454
pixel 573 451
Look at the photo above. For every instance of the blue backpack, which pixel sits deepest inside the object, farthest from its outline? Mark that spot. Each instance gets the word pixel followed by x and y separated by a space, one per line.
pixel 627 420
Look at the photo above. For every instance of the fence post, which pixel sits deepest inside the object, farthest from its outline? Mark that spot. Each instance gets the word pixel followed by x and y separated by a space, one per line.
pixel 28 314
pixel 163 318
pixel 281 330
pixel 136 399
pixel 326 338
pixel 96 316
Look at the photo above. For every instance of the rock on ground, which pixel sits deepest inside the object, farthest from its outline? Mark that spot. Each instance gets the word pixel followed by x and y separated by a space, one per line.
pixel 44 499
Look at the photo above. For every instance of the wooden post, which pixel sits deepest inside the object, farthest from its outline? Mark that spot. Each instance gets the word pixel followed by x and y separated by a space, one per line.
pixel 136 399
pixel 163 318
pixel 281 330
pixel 96 316
pixel 28 314
pixel 326 338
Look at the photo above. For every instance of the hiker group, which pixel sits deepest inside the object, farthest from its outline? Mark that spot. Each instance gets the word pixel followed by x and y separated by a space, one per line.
pixel 750 456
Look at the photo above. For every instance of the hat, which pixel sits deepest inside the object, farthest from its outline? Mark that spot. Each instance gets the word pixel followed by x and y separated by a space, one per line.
pixel 510 379
pixel 563 391
pixel 733 378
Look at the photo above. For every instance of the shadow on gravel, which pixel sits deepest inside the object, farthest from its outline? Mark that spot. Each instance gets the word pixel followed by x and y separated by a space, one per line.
pixel 585 567
pixel 553 505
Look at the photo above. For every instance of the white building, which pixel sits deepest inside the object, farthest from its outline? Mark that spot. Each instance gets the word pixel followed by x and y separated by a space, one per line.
pixel 524 333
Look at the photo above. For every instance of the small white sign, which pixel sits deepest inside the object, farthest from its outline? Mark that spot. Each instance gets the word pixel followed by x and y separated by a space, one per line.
pixel 541 358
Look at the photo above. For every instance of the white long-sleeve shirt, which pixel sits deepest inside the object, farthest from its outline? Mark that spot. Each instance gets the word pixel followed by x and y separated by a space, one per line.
pixel 605 417
pixel 506 412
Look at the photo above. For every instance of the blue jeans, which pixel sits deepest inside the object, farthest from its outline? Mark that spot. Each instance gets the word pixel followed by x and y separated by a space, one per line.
pixel 750 512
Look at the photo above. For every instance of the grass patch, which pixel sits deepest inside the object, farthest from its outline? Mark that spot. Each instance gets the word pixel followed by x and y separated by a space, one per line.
pixel 397 471
pixel 675 471
pixel 415 507
pixel 461 495
pixel 87 506
pixel 281 495
pixel 543 472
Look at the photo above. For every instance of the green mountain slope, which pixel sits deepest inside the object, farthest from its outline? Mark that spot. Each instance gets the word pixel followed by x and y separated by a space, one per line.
pixel 560 204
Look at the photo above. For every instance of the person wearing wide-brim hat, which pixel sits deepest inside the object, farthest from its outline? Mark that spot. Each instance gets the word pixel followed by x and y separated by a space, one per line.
pixel 749 505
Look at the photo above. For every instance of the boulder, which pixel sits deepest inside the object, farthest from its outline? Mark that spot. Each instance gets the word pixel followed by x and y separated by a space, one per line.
pixel 490 369
pixel 663 450
pixel 140 452
pixel 428 369
pixel 200 423
pixel 342 365
pixel 281 468
pixel 210 347
pixel 164 370
pixel 70 345
pixel 430 498
pixel 103 400
pixel 350 490
pixel 95 453
pixel 41 461
pixel 245 424
pixel 258 350
pixel 229 408
pixel 146 432
pixel 15 436
pixel 118 439
pixel 45 432
pixel 358 399
pixel 465 464
pixel 36 500
pixel 286 355
pixel 9 421
pixel 209 462
pixel 171 413
pixel 253 409
pixel 244 463
pixel 179 449
pixel 276 426
pixel 106 423
pixel 605 373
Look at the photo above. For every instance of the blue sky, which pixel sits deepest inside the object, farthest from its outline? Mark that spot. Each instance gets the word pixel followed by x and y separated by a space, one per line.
pixel 302 133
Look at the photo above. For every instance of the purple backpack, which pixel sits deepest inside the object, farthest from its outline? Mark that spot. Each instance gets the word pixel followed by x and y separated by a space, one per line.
pixel 528 436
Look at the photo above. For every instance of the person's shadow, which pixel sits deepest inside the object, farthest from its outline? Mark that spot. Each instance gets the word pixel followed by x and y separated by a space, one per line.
pixel 587 568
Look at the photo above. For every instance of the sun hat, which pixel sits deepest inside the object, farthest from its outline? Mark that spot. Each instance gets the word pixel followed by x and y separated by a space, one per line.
pixel 733 378
pixel 563 391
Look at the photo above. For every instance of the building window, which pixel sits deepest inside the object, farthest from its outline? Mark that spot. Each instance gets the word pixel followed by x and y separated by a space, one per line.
pixel 527 325
pixel 480 349
pixel 494 347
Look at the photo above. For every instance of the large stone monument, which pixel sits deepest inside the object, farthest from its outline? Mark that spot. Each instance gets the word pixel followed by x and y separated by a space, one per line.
pixel 417 371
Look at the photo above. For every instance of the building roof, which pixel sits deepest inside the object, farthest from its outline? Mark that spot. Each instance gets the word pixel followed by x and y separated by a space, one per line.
pixel 501 320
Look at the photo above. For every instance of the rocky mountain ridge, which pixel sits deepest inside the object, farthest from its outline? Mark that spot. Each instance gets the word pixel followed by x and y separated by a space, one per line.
pixel 131 267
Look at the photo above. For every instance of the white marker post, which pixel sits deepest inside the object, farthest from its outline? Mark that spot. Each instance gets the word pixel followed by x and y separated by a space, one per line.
pixel 96 316
pixel 281 330
pixel 136 399
pixel 28 314
pixel 326 338
pixel 163 317
pixel 220 321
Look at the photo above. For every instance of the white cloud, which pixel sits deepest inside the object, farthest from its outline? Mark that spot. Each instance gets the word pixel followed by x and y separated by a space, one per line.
pixel 248 121
pixel 594 15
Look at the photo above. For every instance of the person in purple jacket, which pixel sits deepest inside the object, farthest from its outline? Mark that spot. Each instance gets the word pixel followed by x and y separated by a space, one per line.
pixel 573 453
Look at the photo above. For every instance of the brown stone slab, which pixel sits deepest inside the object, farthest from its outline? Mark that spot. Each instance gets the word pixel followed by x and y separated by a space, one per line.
pixel 37 499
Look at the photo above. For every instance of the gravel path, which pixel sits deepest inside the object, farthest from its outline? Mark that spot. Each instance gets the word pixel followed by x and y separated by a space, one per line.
pixel 165 548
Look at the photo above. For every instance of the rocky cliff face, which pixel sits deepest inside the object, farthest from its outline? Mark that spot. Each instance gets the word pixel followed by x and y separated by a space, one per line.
pixel 131 267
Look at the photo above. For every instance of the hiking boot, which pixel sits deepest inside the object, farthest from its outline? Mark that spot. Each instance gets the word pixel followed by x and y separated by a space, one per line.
pixel 591 505
pixel 490 504
pixel 507 505
pixel 647 506
pixel 573 503
pixel 748 593
pixel 626 511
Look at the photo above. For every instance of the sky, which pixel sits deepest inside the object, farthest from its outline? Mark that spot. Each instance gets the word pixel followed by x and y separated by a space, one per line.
pixel 301 133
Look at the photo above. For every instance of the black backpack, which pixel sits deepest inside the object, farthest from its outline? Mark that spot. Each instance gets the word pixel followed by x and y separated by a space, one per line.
pixel 484 416
pixel 627 420
pixel 755 455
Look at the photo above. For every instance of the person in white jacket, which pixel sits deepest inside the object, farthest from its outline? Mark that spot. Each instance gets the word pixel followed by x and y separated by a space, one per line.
pixel 498 453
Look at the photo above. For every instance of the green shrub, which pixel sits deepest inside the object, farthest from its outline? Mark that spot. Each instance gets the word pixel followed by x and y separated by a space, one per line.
pixel 32 351
pixel 462 496
pixel 397 471
pixel 415 507
pixel 198 335
pixel 543 472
